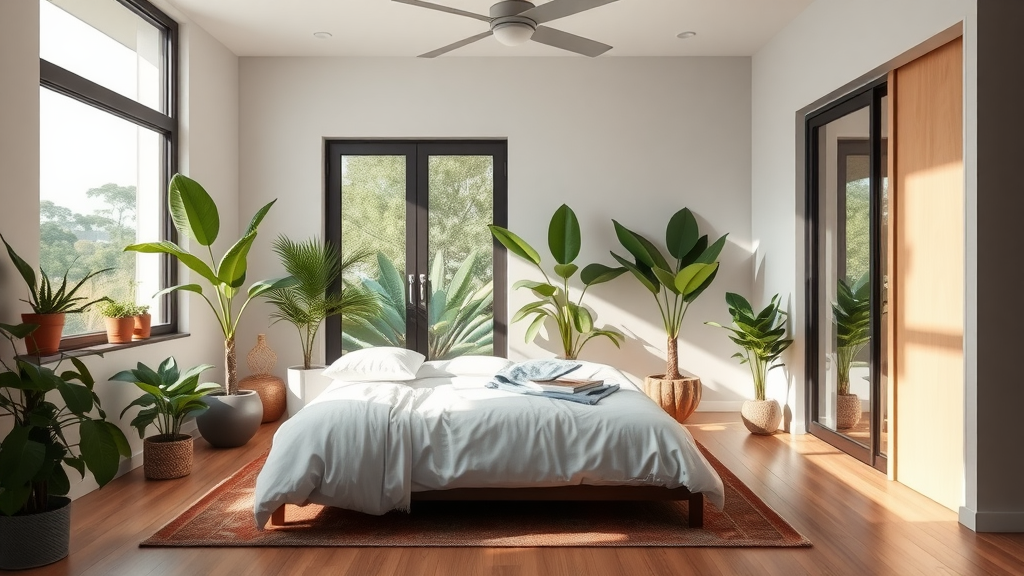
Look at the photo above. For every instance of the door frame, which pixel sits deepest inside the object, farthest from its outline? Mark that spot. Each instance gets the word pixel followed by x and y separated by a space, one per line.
pixel 869 96
pixel 417 199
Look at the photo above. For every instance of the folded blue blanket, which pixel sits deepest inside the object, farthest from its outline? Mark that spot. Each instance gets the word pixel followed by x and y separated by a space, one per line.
pixel 515 377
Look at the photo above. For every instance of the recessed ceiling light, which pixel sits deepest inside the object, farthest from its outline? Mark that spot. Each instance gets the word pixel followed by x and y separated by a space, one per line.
pixel 687 34
pixel 322 35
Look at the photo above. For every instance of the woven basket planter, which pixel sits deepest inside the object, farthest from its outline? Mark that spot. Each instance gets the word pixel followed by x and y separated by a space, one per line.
pixel 677 397
pixel 35 539
pixel 761 416
pixel 848 411
pixel 167 456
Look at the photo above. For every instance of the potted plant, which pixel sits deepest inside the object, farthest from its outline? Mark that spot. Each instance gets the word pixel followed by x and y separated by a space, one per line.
pixel 35 526
pixel 143 323
pixel 852 315
pixel 119 317
pixel 169 398
pixel 762 338
pixel 674 283
pixel 48 305
pixel 234 417
pixel 574 322
pixel 316 267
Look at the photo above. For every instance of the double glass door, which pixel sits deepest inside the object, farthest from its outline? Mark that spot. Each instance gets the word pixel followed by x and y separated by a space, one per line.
pixel 847 248
pixel 415 216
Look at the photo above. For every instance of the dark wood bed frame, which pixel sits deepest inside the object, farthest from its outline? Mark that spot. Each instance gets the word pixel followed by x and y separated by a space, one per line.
pixel 578 492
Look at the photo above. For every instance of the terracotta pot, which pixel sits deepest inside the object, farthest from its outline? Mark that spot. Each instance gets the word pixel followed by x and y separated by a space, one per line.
pixel 272 393
pixel 848 411
pixel 166 456
pixel 142 326
pixel 677 397
pixel 35 539
pixel 46 339
pixel 761 416
pixel 119 330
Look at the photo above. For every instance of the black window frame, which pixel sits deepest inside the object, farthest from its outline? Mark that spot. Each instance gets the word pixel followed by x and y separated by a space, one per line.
pixel 67 83
pixel 416 153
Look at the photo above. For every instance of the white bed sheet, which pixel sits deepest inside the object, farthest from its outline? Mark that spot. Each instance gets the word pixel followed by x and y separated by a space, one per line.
pixel 367 446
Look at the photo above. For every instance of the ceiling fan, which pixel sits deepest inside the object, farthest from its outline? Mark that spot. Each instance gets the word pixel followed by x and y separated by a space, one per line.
pixel 514 22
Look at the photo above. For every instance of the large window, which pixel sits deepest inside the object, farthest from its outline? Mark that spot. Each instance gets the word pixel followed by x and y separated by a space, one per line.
pixel 107 151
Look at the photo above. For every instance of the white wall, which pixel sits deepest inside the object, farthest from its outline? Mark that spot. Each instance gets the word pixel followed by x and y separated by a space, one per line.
pixel 829 45
pixel 209 151
pixel 633 139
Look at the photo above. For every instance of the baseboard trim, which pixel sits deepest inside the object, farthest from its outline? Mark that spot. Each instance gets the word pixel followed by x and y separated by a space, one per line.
pixel 719 406
pixel 991 521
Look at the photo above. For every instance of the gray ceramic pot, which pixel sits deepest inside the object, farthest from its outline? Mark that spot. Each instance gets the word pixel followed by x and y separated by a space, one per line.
pixel 35 539
pixel 232 420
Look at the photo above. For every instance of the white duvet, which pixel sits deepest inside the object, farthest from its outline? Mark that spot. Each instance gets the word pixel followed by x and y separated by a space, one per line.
pixel 368 446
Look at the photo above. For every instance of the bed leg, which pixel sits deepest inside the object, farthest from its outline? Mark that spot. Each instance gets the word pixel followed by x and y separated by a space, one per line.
pixel 696 519
pixel 277 518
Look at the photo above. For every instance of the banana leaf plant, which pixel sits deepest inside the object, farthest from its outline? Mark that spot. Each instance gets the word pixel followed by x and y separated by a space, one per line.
pixel 460 315
pixel 852 314
pixel 33 452
pixel 674 282
pixel 760 335
pixel 195 216
pixel 574 322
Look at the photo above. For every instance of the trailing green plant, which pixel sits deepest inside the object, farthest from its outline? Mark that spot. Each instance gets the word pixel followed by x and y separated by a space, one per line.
pixel 760 335
pixel 169 398
pixel 43 298
pixel 574 322
pixel 460 316
pixel 33 453
pixel 117 309
pixel 851 313
pixel 196 217
pixel 676 282
pixel 316 267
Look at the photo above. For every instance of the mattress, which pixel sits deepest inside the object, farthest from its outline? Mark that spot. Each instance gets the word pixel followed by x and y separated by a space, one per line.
pixel 367 446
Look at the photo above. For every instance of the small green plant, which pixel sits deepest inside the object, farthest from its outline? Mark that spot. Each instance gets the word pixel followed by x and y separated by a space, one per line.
pixel 760 335
pixel 852 314
pixel 33 453
pixel 140 309
pixel 460 316
pixel 117 309
pixel 674 283
pixel 575 323
pixel 195 216
pixel 43 298
pixel 316 266
pixel 169 397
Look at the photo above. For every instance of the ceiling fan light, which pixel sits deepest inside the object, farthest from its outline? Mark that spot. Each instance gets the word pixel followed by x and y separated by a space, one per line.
pixel 513 33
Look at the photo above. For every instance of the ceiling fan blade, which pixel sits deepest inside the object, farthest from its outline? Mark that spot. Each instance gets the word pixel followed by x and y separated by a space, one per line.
pixel 560 9
pixel 570 42
pixel 447 9
pixel 459 44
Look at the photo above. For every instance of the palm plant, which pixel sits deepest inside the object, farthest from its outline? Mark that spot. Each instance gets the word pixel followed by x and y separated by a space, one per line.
pixel 459 314
pixel 852 314
pixel 677 283
pixel 760 335
pixel 316 267
pixel 575 323
pixel 195 216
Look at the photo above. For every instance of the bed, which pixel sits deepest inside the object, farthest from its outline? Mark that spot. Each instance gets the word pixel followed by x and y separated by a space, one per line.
pixel 377 446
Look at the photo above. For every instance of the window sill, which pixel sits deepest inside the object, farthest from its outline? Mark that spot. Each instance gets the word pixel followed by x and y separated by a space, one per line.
pixel 98 349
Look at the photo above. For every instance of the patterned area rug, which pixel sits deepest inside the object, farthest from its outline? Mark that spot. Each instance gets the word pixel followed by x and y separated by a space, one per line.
pixel 224 518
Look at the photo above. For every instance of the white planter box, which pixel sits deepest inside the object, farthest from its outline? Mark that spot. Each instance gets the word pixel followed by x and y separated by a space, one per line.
pixel 304 386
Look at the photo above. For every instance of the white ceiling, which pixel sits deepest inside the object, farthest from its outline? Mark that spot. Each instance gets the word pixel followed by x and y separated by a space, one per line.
pixel 387 28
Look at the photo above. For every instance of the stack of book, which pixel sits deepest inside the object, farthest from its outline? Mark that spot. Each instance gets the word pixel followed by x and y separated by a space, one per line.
pixel 564 385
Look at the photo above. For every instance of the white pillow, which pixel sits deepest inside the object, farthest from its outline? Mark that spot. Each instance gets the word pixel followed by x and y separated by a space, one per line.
pixel 384 364
pixel 463 366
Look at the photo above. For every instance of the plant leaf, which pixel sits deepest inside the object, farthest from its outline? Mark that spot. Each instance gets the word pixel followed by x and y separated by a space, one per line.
pixel 233 264
pixel 599 273
pixel 631 242
pixel 515 244
pixel 652 284
pixel 564 235
pixel 681 233
pixel 566 270
pixel 711 254
pixel 193 210
pixel 167 247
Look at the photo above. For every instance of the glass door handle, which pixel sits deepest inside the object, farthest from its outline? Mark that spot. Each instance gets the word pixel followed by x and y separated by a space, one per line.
pixel 423 289
pixel 412 278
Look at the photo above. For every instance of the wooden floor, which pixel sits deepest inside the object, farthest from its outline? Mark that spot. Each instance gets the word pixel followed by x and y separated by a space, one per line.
pixel 859 522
